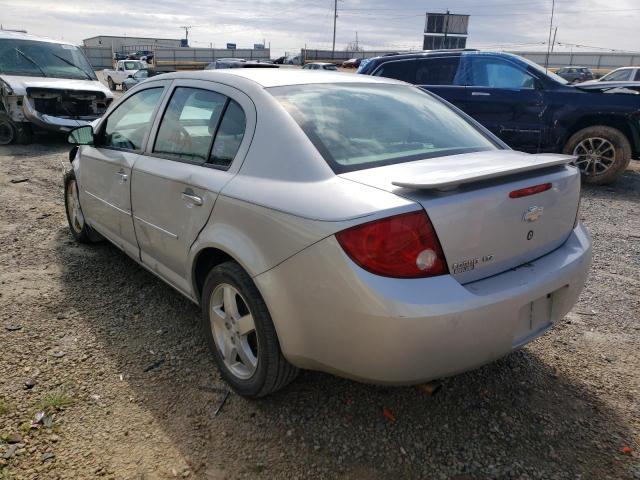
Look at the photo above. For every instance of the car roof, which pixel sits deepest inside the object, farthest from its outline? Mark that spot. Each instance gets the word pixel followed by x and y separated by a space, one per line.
pixel 6 35
pixel 277 77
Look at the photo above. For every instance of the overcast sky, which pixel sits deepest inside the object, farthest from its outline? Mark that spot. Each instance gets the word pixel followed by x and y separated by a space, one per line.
pixel 288 25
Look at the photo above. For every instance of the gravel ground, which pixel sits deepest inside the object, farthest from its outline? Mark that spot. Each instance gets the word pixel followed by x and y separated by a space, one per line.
pixel 115 359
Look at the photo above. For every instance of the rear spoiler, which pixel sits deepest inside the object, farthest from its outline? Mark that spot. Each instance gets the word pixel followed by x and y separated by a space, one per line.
pixel 451 174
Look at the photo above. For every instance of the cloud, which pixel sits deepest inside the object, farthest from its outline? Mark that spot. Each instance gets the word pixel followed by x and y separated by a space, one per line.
pixel 289 24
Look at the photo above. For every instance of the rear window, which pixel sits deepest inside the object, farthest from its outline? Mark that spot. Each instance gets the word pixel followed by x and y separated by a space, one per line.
pixel 358 126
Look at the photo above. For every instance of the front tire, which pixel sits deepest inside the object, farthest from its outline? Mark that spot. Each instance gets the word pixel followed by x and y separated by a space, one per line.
pixel 112 85
pixel 8 130
pixel 80 230
pixel 603 153
pixel 241 335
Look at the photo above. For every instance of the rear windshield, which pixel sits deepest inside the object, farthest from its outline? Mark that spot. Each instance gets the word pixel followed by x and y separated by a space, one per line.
pixel 358 126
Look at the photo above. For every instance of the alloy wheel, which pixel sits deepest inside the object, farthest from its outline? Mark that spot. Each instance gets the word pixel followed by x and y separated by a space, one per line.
pixel 234 331
pixel 76 218
pixel 595 156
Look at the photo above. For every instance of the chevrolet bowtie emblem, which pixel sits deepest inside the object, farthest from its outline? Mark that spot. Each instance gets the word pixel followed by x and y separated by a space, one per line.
pixel 532 214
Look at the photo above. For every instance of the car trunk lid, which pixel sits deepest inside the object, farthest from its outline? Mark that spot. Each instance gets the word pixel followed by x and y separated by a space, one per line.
pixel 484 231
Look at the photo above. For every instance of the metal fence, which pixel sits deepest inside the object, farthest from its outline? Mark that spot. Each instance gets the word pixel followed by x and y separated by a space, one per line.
pixel 598 61
pixel 197 58
pixel 99 57
pixel 312 55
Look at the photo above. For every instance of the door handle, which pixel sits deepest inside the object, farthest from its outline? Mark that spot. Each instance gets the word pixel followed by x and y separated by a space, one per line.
pixel 480 94
pixel 188 196
pixel 123 176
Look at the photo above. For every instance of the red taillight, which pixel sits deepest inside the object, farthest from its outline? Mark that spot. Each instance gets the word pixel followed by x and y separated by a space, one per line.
pixel 525 192
pixel 403 246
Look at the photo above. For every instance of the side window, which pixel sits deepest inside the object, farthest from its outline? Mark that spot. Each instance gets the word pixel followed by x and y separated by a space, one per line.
pixel 400 70
pixel 619 76
pixel 229 136
pixel 439 71
pixel 188 124
pixel 129 124
pixel 637 77
pixel 496 73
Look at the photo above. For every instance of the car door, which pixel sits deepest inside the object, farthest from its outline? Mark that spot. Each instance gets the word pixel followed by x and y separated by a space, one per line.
pixel 444 76
pixel 105 168
pixel 507 99
pixel 196 147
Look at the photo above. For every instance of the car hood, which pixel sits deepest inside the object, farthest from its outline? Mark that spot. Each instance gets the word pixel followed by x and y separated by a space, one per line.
pixel 19 84
pixel 610 87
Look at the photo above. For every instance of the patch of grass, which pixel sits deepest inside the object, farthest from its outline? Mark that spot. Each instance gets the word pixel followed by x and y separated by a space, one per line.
pixel 56 399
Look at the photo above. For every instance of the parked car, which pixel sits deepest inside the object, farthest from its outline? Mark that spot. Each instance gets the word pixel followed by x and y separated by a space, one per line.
pixel 238 63
pixel 352 63
pixel 120 56
pixel 319 66
pixel 144 55
pixel 328 221
pixel 297 60
pixel 138 77
pixel 529 108
pixel 124 69
pixel 280 60
pixel 624 74
pixel 45 84
pixel 575 74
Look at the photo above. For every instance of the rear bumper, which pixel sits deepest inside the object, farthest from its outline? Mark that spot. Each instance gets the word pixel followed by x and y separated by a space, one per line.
pixel 333 316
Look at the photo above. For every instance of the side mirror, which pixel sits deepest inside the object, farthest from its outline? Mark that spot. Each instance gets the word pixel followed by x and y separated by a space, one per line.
pixel 81 135
pixel 130 76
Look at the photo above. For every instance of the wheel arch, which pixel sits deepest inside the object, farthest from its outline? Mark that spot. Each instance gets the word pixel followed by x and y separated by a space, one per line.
pixel 619 122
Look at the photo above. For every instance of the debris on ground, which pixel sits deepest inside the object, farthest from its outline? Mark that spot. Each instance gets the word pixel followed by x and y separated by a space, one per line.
pixel 430 388
pixel 19 179
pixel 154 365
pixel 221 404
pixel 388 415
pixel 13 328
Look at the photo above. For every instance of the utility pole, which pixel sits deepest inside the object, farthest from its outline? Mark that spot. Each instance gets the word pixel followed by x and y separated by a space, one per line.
pixel 446 31
pixel 357 44
pixel 553 43
pixel 186 32
pixel 335 18
pixel 553 9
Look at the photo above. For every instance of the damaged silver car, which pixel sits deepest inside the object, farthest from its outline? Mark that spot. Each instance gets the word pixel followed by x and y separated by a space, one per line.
pixel 45 84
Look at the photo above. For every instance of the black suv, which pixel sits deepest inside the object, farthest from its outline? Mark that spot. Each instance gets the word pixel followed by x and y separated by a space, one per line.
pixel 529 108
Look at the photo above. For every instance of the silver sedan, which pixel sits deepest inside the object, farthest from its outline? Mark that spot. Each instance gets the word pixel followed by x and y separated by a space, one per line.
pixel 350 224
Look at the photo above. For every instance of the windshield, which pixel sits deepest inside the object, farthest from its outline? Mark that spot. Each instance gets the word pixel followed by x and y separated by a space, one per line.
pixel 133 65
pixel 43 59
pixel 544 71
pixel 357 126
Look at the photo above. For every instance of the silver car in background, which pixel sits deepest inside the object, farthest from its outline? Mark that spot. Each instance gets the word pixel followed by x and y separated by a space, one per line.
pixel 351 224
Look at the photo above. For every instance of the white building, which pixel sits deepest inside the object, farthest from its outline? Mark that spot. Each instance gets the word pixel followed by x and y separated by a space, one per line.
pixel 128 44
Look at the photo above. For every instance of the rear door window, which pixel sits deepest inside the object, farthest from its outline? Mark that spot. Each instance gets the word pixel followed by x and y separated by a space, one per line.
pixel 188 124
pixel 439 71
pixel 229 136
pixel 637 77
pixel 404 70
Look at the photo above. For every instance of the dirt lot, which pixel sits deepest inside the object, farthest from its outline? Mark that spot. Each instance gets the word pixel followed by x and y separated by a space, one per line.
pixel 116 360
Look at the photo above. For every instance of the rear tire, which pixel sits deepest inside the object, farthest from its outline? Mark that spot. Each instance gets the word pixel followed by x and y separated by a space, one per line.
pixel 228 293
pixel 80 230
pixel 603 153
